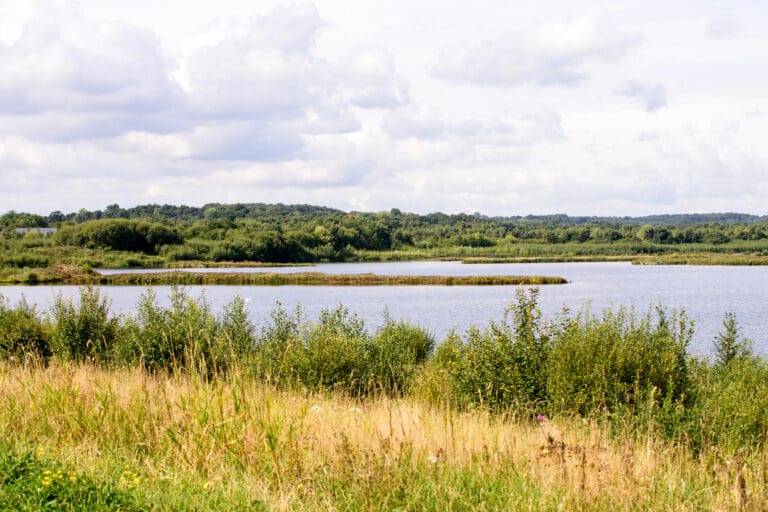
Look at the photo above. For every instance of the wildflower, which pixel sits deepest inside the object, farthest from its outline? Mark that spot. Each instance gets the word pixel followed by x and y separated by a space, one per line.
pixel 355 410
pixel 315 409
pixel 539 418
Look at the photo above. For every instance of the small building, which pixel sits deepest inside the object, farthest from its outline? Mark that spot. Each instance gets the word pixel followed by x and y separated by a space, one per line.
pixel 42 231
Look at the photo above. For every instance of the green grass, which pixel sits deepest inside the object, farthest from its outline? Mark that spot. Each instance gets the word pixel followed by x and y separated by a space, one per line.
pixel 33 482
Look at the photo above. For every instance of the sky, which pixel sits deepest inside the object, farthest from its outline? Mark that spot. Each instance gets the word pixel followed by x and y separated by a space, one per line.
pixel 502 107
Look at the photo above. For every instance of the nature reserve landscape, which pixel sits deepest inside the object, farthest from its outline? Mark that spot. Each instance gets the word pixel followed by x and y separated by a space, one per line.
pixel 326 255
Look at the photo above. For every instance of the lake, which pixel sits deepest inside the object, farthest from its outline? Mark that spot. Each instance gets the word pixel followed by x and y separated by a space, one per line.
pixel 705 292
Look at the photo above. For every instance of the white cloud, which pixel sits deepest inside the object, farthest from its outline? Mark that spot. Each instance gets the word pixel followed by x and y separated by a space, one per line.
pixel 371 79
pixel 652 96
pixel 722 27
pixel 62 64
pixel 507 130
pixel 551 54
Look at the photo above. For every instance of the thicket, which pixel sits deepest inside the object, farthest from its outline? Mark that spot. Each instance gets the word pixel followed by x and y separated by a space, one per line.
pixel 629 368
pixel 120 235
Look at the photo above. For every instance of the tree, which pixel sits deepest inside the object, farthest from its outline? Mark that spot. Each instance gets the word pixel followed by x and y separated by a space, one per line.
pixel 728 344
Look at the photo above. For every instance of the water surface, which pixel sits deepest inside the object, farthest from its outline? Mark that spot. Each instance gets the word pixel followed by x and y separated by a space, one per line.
pixel 705 292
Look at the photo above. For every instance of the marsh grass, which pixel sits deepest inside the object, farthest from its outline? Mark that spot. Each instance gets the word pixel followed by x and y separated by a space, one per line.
pixel 151 442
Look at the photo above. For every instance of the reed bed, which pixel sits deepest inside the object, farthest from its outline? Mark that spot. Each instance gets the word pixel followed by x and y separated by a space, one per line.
pixel 318 279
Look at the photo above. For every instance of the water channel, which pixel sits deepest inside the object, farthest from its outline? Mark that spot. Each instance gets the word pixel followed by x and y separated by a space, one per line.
pixel 705 292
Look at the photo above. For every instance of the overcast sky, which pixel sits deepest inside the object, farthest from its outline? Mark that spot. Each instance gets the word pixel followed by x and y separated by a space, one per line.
pixel 502 107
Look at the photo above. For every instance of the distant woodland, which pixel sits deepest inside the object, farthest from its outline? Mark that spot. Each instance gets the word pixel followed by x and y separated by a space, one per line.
pixel 165 235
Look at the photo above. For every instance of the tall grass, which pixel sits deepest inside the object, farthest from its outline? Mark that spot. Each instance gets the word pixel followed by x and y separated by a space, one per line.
pixel 133 440
pixel 583 364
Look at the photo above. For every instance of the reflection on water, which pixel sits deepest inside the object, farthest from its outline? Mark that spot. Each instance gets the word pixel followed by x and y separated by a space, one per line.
pixel 705 293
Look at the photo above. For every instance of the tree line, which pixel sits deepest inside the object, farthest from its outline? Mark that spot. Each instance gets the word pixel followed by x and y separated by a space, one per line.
pixel 306 233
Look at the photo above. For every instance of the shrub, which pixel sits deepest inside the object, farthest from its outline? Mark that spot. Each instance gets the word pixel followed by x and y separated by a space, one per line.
pixel 237 331
pixel 185 336
pixel 21 333
pixel 728 344
pixel 733 404
pixel 396 352
pixel 84 330
pixel 329 353
pixel 504 365
pixel 599 364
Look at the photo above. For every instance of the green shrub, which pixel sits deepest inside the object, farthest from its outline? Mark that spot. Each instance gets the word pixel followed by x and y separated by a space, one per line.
pixel 83 330
pixel 504 365
pixel 329 353
pixel 185 336
pixel 237 330
pixel 396 352
pixel 599 364
pixel 22 334
pixel 728 345
pixel 734 402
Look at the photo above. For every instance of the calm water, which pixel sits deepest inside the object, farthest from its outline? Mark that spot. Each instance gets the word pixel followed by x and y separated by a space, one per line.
pixel 705 293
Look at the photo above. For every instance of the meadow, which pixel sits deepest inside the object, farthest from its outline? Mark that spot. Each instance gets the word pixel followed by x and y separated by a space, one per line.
pixel 175 408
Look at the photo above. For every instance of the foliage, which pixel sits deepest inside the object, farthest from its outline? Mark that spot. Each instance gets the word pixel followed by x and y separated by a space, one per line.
pixel 326 354
pixel 218 233
pixel 30 483
pixel 503 365
pixel 22 334
pixel 728 344
pixel 397 352
pixel 631 370
pixel 119 235
pixel 83 330
pixel 599 364
pixel 184 336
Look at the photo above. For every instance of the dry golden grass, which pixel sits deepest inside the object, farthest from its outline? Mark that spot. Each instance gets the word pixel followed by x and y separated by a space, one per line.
pixel 288 448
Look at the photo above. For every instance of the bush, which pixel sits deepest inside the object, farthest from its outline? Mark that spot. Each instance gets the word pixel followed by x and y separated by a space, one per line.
pixel 733 404
pixel 504 365
pixel 728 344
pixel 327 354
pixel 396 352
pixel 84 330
pixel 21 333
pixel 185 336
pixel 599 364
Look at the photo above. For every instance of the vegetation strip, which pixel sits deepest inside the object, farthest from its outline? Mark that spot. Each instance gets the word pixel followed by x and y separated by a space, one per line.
pixel 318 279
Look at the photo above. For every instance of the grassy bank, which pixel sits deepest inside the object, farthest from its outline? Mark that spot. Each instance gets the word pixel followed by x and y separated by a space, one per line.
pixel 736 259
pixel 178 408
pixel 93 439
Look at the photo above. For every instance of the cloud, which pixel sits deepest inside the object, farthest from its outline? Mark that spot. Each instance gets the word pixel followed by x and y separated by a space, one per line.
pixel 252 94
pixel 722 27
pixel 507 130
pixel 551 54
pixel 62 64
pixel 653 96
pixel 371 80
pixel 269 72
